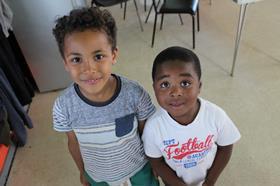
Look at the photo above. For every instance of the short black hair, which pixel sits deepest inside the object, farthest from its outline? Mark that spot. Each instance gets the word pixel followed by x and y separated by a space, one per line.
pixel 176 53
pixel 83 19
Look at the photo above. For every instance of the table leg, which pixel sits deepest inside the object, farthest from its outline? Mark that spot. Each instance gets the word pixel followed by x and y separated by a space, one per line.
pixel 242 14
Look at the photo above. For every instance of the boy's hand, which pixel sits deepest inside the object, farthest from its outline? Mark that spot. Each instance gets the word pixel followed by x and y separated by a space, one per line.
pixel 83 180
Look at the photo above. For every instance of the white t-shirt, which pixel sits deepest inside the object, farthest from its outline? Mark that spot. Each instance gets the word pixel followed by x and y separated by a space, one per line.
pixel 189 150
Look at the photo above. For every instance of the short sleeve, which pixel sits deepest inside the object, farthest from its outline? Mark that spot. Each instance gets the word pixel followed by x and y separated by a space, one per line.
pixel 60 120
pixel 150 140
pixel 227 132
pixel 145 107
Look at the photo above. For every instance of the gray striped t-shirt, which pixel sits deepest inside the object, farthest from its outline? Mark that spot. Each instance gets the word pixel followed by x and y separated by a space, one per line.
pixel 107 132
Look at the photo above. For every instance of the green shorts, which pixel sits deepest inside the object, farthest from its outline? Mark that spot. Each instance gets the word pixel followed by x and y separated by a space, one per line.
pixel 144 177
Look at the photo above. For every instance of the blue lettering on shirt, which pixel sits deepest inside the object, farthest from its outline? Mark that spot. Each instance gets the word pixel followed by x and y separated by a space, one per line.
pixel 189 165
pixel 169 142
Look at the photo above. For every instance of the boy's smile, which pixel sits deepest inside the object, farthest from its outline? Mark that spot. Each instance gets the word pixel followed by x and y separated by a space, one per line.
pixel 88 57
pixel 177 87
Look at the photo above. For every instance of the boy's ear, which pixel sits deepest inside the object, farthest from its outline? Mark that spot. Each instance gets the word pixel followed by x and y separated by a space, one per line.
pixel 200 84
pixel 115 55
pixel 154 85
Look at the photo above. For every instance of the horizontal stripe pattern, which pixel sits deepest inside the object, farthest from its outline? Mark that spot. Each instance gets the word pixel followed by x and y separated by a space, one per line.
pixel 116 161
pixel 60 120
pixel 108 136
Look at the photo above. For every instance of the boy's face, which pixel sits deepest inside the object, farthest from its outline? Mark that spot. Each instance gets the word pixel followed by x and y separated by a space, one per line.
pixel 177 87
pixel 88 57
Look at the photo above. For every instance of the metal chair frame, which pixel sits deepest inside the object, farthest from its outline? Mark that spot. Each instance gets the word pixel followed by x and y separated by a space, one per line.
pixel 156 6
pixel 100 3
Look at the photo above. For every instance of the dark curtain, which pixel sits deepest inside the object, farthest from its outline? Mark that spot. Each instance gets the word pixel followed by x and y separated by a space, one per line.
pixel 16 115
pixel 9 62
pixel 22 62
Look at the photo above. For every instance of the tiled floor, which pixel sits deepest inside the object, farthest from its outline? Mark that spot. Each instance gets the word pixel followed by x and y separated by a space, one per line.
pixel 251 97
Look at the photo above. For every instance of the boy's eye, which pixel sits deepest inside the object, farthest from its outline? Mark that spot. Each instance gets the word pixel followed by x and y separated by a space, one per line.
pixel 164 85
pixel 185 84
pixel 76 60
pixel 98 57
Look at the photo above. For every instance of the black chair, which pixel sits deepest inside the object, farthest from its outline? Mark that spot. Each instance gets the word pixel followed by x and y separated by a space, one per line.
pixel 107 3
pixel 176 7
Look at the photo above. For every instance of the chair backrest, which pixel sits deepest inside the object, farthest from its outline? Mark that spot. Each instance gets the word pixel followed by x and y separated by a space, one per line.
pixel 177 6
pixel 106 3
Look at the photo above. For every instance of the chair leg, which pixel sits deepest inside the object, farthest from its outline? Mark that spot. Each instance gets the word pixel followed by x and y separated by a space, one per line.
pixel 138 15
pixel 197 17
pixel 124 11
pixel 154 30
pixel 161 22
pixel 145 5
pixel 193 30
pixel 150 10
pixel 181 20
pixel 155 8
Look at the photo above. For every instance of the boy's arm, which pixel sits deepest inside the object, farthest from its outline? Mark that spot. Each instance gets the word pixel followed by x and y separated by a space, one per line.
pixel 165 172
pixel 74 150
pixel 141 125
pixel 222 158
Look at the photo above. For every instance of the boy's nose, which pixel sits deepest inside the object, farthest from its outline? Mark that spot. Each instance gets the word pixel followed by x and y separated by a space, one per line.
pixel 89 65
pixel 176 91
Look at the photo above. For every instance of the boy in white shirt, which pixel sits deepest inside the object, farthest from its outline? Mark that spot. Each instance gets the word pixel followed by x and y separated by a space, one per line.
pixel 188 140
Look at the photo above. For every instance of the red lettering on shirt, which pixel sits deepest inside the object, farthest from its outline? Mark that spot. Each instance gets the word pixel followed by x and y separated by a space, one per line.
pixel 193 145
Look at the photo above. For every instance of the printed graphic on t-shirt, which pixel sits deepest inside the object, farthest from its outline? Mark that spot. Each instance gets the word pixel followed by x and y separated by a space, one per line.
pixel 190 153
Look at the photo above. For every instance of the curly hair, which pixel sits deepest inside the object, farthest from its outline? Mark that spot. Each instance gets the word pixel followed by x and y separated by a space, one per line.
pixel 176 53
pixel 83 19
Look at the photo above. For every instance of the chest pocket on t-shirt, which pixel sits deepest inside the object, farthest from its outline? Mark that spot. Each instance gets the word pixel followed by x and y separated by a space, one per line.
pixel 124 125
